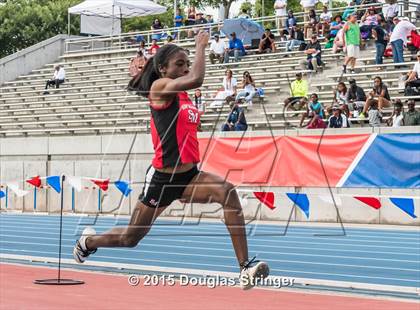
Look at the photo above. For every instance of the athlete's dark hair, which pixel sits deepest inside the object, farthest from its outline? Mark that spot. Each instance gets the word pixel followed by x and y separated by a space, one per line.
pixel 143 81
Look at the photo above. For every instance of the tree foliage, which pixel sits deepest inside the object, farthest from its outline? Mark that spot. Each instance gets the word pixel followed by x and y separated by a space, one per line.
pixel 212 3
pixel 27 22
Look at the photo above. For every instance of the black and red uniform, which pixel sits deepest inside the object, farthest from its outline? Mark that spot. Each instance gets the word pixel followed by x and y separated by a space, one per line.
pixel 174 135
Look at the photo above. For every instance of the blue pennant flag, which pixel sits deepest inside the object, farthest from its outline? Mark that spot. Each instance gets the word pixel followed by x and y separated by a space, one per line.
pixel 123 187
pixel 2 194
pixel 405 204
pixel 54 182
pixel 301 200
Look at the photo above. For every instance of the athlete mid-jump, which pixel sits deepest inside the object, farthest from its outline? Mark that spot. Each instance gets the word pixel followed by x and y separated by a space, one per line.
pixel 174 174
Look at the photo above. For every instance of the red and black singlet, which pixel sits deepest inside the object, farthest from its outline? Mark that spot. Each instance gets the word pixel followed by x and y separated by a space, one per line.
pixel 174 132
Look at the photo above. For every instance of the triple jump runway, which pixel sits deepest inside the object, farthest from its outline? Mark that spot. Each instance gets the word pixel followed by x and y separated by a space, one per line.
pixel 382 266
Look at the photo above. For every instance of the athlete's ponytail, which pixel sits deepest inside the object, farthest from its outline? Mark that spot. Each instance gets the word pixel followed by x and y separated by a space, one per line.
pixel 143 81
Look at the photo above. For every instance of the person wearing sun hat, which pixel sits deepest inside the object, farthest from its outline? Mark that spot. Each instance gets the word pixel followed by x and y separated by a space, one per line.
pixel 337 119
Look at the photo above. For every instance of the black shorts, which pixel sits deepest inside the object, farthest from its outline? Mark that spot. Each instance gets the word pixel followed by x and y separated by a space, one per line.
pixel 161 189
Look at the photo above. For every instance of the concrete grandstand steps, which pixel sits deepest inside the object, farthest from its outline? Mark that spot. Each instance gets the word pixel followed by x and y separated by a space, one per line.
pixel 210 71
pixel 365 74
pixel 91 57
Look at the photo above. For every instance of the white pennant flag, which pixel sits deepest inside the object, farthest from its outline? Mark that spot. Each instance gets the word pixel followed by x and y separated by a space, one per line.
pixel 75 182
pixel 329 199
pixel 15 189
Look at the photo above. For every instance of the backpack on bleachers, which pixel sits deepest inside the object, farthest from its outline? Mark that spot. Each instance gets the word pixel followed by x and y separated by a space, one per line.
pixel 302 46
pixel 411 91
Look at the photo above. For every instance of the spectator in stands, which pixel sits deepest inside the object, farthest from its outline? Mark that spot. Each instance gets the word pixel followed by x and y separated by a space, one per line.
pixel 340 96
pixel 349 10
pixel 337 119
pixel 217 50
pixel 267 43
pixel 178 22
pixel 291 22
pixel 227 92
pixel 59 77
pixel 379 94
pixel 210 21
pixel 313 55
pixel 399 38
pixel 137 63
pixel 412 116
pixel 244 14
pixel 381 41
pixel 295 40
pixel 391 12
pixel 312 24
pixel 307 6
pixel 315 112
pixel 356 97
pixel 190 21
pixel 283 36
pixel 298 91
pixel 280 8
pixel 236 120
pixel 396 119
pixel 352 41
pixel 414 75
pixel 236 48
pixel 339 42
pixel 153 48
pixel 375 116
pixel 143 49
pixel 248 89
pixel 157 28
pixel 369 20
pixel 324 21
pixel 336 25
pixel 199 19
pixel 198 100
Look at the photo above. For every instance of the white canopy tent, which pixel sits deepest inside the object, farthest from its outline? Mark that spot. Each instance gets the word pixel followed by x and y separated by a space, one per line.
pixel 115 9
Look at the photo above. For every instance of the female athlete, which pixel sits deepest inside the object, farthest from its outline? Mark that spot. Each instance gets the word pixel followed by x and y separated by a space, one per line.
pixel 173 174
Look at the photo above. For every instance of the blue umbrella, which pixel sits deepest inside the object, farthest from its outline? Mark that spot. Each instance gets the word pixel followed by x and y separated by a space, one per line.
pixel 245 29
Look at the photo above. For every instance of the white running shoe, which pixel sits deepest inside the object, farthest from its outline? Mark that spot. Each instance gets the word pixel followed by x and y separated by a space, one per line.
pixel 80 251
pixel 252 272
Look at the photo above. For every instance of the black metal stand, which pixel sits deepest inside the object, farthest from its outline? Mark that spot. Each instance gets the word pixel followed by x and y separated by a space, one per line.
pixel 59 280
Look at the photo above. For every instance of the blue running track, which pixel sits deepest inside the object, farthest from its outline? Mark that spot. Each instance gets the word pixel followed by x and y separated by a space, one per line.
pixel 368 256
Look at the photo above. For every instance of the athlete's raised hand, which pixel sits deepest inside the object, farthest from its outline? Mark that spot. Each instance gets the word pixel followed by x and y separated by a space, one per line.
pixel 202 38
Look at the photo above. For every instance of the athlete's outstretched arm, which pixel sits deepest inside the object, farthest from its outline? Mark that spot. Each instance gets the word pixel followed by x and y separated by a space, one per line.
pixel 193 79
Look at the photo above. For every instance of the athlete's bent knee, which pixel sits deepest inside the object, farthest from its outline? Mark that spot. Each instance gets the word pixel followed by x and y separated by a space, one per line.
pixel 225 193
pixel 130 240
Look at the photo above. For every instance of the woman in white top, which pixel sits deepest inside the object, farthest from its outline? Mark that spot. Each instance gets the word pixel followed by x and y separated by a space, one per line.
pixel 397 118
pixel 340 98
pixel 227 92
pixel 248 89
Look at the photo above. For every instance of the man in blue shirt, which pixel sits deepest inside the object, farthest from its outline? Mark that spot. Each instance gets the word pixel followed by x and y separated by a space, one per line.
pixel 236 48
pixel 179 20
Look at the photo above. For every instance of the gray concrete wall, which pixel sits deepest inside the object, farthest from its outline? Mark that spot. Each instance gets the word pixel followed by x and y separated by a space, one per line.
pixel 104 156
pixel 33 57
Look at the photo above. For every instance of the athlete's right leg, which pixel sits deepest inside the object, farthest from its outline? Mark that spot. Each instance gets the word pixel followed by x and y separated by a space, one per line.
pixel 140 223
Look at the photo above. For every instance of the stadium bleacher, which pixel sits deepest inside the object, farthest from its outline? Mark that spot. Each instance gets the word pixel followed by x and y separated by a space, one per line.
pixel 94 98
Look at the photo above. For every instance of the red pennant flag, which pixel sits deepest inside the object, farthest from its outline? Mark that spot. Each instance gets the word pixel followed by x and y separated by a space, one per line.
pixel 35 181
pixel 266 198
pixel 370 201
pixel 103 184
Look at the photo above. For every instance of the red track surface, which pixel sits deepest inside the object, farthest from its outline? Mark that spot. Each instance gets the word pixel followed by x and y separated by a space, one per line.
pixel 103 291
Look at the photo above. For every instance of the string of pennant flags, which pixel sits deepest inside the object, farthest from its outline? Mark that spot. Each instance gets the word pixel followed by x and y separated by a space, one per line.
pixel 301 200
